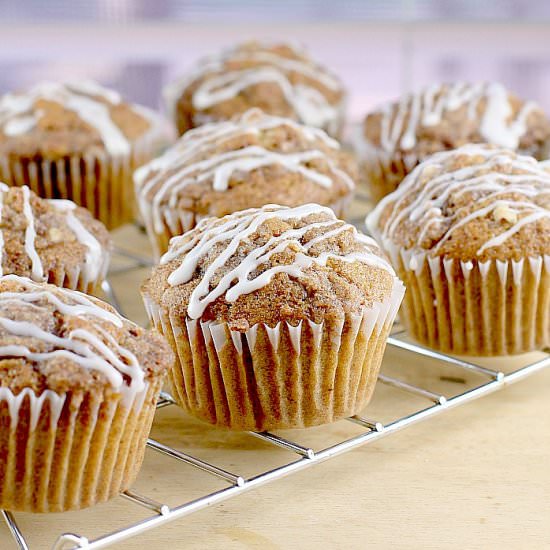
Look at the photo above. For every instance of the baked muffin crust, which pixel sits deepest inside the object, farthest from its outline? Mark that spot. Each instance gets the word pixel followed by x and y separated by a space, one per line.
pixel 40 236
pixel 276 78
pixel 252 160
pixel 55 120
pixel 269 265
pixel 61 340
pixel 477 203
pixel 447 116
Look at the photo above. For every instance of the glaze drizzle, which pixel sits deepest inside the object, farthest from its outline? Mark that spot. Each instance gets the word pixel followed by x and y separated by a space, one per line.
pixel 94 255
pixel 193 160
pixel 401 122
pixel 424 202
pixel 92 348
pixel 310 104
pixel 235 229
pixel 90 101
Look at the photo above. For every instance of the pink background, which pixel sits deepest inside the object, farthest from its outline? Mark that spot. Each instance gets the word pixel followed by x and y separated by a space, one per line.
pixel 380 49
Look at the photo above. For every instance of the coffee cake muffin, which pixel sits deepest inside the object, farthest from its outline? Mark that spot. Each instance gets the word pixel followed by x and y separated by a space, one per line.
pixel 252 160
pixel 276 78
pixel 78 388
pixel 469 233
pixel 77 141
pixel 399 135
pixel 278 316
pixel 51 240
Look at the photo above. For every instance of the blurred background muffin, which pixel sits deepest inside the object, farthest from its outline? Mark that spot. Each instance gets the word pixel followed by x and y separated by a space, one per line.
pixel 51 240
pixel 394 138
pixel 279 317
pixel 249 161
pixel 279 79
pixel 77 141
pixel 468 231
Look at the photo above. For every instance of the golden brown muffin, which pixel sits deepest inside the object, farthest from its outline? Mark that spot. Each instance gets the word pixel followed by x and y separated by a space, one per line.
pixel 78 388
pixel 469 233
pixel 51 240
pixel 279 317
pixel 252 160
pixel 399 135
pixel 77 141
pixel 277 78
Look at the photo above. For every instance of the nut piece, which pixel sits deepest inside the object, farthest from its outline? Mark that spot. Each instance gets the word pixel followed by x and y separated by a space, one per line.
pixel 504 212
pixel 56 236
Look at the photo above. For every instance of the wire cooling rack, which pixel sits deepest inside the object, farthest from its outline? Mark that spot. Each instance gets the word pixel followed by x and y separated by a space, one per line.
pixel 437 383
pixel 371 429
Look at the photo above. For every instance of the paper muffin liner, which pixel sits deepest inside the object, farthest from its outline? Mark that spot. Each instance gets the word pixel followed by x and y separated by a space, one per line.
pixel 277 377
pixel 476 308
pixel 100 182
pixel 380 170
pixel 383 172
pixel 66 452
pixel 78 277
pixel 176 222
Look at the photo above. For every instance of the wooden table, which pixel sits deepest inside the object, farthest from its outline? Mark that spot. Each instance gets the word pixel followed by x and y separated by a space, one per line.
pixel 475 477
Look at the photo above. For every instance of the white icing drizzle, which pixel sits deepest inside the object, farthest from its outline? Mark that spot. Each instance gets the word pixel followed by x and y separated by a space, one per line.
pixel 310 104
pixel 192 160
pixel 20 125
pixel 94 251
pixel 400 123
pixel 93 262
pixel 234 229
pixel 37 271
pixel 423 202
pixel 37 403
pixel 90 101
pixel 91 348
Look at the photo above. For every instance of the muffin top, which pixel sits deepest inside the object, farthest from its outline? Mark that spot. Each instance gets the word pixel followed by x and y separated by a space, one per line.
pixel 252 160
pixel 478 202
pixel 58 119
pixel 277 78
pixel 446 116
pixel 268 265
pixel 61 340
pixel 41 236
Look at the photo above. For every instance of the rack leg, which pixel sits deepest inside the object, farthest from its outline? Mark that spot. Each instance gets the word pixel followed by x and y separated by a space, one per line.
pixel 14 530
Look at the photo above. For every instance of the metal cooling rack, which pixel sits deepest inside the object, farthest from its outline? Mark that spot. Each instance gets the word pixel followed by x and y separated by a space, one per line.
pixel 161 513
pixel 371 429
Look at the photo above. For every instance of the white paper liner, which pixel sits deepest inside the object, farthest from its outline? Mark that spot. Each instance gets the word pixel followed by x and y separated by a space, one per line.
pixel 277 377
pixel 381 170
pixel 100 182
pixel 66 452
pixel 78 277
pixel 475 308
pixel 176 222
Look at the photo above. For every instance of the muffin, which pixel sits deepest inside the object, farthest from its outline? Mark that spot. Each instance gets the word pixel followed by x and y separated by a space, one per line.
pixel 78 388
pixel 397 136
pixel 278 317
pixel 77 141
pixel 469 233
pixel 51 240
pixel 251 160
pixel 276 78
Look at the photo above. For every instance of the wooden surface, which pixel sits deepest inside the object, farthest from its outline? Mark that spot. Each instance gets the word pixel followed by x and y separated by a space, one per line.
pixel 474 477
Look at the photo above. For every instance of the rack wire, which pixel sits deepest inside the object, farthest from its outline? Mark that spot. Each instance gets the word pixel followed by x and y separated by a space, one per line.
pixel 367 428
pixel 373 430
